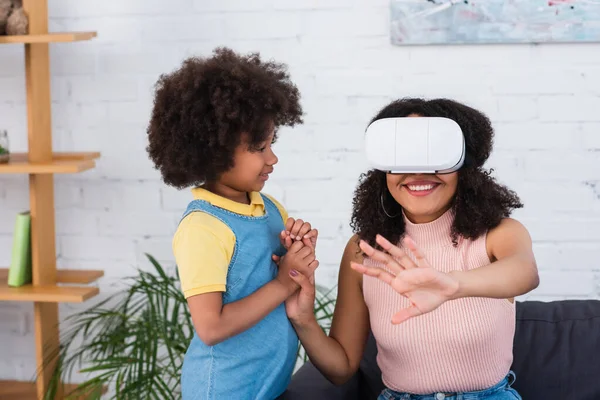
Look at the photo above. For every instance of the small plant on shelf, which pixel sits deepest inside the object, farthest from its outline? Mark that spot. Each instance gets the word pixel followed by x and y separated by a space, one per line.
pixel 4 153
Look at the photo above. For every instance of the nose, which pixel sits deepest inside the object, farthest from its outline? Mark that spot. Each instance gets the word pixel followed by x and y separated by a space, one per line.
pixel 272 159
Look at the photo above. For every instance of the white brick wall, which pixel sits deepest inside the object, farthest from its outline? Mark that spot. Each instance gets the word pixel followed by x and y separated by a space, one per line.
pixel 544 101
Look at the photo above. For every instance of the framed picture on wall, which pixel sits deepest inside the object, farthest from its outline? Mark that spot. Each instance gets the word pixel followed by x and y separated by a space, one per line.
pixel 494 21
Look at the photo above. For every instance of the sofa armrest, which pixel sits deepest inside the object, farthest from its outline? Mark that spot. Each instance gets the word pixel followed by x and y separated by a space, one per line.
pixel 309 384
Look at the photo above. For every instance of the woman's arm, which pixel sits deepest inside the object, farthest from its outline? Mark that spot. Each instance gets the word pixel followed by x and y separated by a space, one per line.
pixel 511 273
pixel 513 270
pixel 338 355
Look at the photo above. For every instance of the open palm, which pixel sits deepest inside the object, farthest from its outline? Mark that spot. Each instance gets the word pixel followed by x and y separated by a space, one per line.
pixel 425 287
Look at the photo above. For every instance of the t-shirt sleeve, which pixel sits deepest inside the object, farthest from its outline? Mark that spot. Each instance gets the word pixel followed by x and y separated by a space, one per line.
pixel 203 248
pixel 282 210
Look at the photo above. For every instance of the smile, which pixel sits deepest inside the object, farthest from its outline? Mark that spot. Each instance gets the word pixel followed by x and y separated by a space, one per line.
pixel 420 188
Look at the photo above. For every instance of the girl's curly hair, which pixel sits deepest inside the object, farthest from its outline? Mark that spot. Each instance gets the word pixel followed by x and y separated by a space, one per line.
pixel 202 109
pixel 480 202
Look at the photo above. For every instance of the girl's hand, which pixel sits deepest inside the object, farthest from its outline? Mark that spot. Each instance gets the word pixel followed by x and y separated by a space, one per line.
pixel 425 287
pixel 296 230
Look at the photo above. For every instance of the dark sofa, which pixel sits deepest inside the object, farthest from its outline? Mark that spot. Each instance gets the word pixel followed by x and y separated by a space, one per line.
pixel 556 357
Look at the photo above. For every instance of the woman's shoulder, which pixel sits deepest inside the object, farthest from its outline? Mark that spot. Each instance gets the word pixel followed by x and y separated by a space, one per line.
pixel 349 277
pixel 507 227
pixel 352 250
pixel 508 232
pixel 352 253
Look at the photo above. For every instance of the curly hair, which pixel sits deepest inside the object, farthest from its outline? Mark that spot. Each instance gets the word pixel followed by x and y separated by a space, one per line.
pixel 202 109
pixel 480 202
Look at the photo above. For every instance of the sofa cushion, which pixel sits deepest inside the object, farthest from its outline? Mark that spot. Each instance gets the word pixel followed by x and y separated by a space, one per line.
pixel 557 350
pixel 309 384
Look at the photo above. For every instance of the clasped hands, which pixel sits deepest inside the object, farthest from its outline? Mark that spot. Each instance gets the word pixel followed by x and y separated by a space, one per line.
pixel 300 241
pixel 297 267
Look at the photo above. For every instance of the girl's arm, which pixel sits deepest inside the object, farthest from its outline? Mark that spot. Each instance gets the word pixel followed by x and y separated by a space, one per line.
pixel 215 323
pixel 513 270
pixel 338 355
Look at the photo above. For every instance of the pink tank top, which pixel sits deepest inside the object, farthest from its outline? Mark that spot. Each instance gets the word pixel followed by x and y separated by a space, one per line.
pixel 464 345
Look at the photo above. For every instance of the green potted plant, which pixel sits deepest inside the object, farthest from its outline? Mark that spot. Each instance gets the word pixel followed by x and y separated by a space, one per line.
pixel 133 347
pixel 4 152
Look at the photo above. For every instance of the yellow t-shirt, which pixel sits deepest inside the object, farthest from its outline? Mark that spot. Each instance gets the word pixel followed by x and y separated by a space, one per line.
pixel 203 245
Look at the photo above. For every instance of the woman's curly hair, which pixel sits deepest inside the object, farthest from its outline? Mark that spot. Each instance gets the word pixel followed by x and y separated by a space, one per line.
pixel 480 202
pixel 201 110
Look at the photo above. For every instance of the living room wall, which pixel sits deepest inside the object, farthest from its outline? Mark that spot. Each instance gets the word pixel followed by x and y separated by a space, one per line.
pixel 542 99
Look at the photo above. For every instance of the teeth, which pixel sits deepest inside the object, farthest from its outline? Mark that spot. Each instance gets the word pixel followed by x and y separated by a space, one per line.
pixel 418 188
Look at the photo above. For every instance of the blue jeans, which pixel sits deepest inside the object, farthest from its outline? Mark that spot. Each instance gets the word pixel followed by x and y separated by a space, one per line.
pixel 500 391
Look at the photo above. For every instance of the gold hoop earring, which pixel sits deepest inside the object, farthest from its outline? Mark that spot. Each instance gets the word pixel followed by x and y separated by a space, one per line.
pixel 384 210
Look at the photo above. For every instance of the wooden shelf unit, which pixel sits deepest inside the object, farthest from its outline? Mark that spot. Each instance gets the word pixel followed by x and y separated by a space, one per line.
pixel 55 37
pixel 49 286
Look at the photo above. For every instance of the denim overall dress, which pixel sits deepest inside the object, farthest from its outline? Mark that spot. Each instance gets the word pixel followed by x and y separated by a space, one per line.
pixel 256 364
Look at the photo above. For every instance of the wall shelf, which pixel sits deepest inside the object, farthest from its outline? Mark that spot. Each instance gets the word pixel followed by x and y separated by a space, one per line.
pixel 77 276
pixel 62 163
pixel 47 293
pixel 56 37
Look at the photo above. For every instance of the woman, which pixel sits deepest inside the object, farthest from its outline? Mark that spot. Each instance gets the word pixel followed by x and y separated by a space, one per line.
pixel 432 270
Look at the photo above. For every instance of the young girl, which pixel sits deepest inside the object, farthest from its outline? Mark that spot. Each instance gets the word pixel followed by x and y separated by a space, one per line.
pixel 212 127
pixel 433 271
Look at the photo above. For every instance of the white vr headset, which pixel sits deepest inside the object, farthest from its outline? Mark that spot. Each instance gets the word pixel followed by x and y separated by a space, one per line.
pixel 428 145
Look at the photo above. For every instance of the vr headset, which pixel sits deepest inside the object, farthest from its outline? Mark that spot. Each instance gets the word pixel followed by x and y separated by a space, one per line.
pixel 410 145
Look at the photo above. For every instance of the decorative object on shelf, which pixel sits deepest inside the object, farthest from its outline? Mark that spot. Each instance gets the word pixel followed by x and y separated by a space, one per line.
pixel 133 344
pixel 19 272
pixel 5 11
pixel 418 22
pixel 13 19
pixel 4 145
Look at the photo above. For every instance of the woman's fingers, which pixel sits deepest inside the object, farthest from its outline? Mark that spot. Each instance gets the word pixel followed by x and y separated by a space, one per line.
pixel 289 224
pixel 296 229
pixel 304 229
pixel 419 256
pixel 380 256
pixel 374 272
pixel 403 259
pixel 405 314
